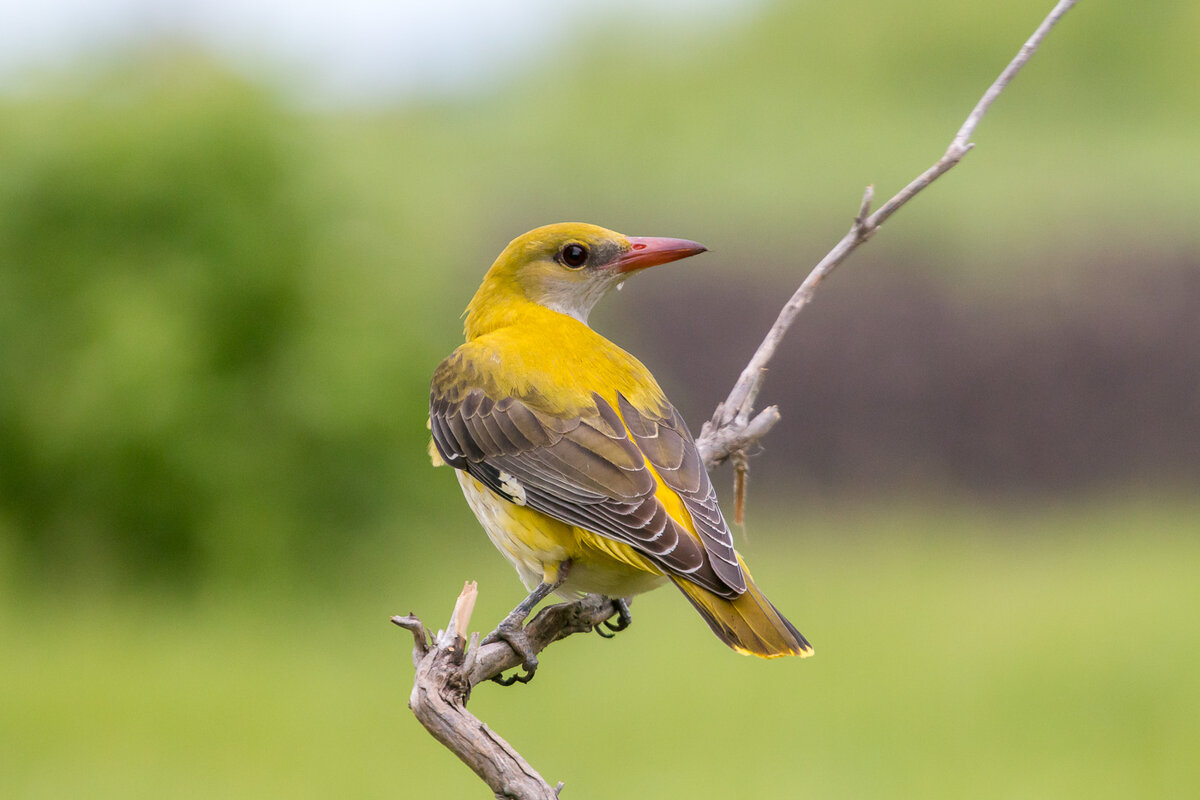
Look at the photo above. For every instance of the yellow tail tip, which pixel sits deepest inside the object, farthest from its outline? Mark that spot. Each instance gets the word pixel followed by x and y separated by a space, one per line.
pixel 749 623
pixel 804 651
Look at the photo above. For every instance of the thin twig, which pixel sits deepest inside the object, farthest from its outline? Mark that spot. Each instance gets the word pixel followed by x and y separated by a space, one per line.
pixel 741 474
pixel 732 427
pixel 420 636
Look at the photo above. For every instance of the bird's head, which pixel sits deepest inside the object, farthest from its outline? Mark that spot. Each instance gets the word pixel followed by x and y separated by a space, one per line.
pixel 569 266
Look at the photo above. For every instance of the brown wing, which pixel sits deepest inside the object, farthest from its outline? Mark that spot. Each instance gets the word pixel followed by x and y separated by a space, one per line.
pixel 587 471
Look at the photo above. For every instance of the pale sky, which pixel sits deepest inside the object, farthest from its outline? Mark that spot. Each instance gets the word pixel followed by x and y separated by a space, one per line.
pixel 348 50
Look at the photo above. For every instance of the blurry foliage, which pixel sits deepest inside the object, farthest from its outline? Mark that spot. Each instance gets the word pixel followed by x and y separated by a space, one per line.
pixel 218 314
pixel 961 653
pixel 183 388
pixel 760 136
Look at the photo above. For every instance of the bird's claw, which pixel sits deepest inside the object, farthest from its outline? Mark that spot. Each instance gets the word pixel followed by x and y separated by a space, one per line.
pixel 514 634
pixel 624 618
pixel 516 677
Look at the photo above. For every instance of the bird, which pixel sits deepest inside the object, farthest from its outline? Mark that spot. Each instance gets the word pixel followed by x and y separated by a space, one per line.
pixel 579 469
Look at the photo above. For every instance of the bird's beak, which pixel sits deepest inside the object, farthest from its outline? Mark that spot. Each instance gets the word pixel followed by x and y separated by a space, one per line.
pixel 650 250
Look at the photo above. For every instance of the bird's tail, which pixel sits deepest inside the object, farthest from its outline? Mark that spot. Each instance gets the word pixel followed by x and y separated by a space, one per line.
pixel 749 624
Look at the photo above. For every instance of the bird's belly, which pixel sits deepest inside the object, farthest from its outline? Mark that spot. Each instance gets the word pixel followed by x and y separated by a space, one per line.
pixel 536 544
pixel 523 538
pixel 611 579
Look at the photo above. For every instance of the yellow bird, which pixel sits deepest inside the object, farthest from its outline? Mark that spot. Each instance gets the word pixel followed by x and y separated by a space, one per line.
pixel 578 467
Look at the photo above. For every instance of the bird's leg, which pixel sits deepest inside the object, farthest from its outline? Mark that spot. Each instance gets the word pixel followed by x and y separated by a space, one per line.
pixel 624 618
pixel 512 628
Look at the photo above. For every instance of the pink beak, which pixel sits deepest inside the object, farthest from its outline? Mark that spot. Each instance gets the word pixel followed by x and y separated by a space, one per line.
pixel 648 251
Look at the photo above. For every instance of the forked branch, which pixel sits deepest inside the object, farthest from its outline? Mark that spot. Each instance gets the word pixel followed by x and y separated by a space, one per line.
pixel 448 668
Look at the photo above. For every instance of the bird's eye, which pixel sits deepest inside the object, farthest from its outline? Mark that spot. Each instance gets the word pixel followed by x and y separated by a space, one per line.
pixel 573 255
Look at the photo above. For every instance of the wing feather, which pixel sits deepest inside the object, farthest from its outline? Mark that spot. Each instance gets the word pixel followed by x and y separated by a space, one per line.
pixel 668 445
pixel 590 470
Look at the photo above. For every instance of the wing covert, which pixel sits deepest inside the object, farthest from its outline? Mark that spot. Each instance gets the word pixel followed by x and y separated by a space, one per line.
pixel 587 471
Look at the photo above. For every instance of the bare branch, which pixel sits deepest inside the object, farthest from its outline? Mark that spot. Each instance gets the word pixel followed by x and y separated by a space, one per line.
pixel 727 431
pixel 551 624
pixel 420 636
pixel 448 670
pixel 438 700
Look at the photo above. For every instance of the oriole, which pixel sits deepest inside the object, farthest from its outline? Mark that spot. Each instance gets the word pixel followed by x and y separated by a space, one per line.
pixel 578 467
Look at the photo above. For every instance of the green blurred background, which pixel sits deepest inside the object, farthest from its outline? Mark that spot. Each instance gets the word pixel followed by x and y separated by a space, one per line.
pixel 221 297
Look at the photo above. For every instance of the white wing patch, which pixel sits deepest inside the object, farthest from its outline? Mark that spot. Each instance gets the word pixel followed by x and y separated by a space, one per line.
pixel 512 487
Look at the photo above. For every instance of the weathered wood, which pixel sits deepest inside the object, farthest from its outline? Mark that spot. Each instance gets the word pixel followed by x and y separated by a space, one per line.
pixel 438 700
pixel 551 624
pixel 447 670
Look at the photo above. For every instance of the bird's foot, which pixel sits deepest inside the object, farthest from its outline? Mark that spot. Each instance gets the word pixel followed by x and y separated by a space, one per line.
pixel 513 633
pixel 512 628
pixel 624 618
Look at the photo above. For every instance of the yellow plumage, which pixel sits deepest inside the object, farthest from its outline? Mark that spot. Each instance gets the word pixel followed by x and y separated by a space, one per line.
pixel 568 450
